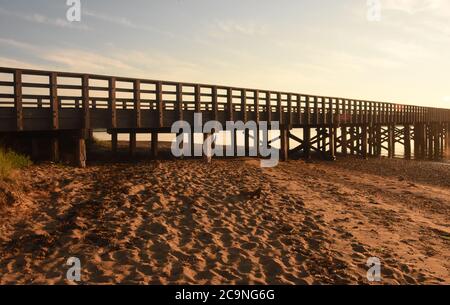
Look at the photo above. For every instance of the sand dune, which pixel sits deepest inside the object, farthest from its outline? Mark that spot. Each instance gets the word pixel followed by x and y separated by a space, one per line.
pixel 230 222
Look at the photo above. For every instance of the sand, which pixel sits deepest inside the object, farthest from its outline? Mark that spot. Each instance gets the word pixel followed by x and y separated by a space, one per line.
pixel 229 222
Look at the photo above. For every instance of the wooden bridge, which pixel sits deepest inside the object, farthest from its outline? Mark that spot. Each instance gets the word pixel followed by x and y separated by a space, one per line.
pixel 62 105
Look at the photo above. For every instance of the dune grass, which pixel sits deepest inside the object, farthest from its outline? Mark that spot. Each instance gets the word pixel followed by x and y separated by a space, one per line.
pixel 10 160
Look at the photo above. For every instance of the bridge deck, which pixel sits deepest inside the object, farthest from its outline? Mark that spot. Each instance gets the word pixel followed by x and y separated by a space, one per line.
pixel 32 100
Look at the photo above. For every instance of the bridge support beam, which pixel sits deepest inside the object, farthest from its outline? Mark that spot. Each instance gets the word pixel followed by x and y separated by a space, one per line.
pixel 80 154
pixel 247 142
pixel 447 140
pixel 54 149
pixel 132 144
pixel 154 144
pixel 407 140
pixel 307 142
pixel 114 142
pixel 344 143
pixel 284 143
pixel 332 143
pixel 364 141
pixel 436 135
pixel 391 141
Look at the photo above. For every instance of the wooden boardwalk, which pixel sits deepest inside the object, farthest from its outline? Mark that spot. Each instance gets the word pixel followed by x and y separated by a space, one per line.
pixel 56 104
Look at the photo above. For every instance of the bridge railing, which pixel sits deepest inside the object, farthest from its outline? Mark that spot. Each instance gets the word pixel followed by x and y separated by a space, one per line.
pixel 35 100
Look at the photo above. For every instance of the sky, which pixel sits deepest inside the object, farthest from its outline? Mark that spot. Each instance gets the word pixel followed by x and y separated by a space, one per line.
pixel 323 47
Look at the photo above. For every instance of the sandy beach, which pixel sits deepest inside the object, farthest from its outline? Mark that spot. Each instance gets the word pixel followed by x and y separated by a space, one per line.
pixel 229 222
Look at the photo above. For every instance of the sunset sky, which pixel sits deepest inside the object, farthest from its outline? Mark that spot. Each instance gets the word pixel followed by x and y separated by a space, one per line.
pixel 324 47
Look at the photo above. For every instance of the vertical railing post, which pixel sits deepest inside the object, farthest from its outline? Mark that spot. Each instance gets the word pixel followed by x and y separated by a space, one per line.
pixel 269 106
pixel 256 104
pixel 18 99
pixel 214 101
pixel 244 105
pixel 112 101
pixel 230 104
pixel 289 112
pixel 159 103
pixel 137 102
pixel 179 101
pixel 85 101
pixel 279 108
pixel 54 105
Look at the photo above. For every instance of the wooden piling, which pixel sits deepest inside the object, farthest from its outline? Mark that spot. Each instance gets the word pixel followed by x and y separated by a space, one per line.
pixel 407 141
pixel 284 143
pixel 307 142
pixel 364 141
pixel 114 141
pixel 344 145
pixel 332 143
pixel 154 144
pixel 132 144
pixel 391 141
pixel 81 152
pixel 54 149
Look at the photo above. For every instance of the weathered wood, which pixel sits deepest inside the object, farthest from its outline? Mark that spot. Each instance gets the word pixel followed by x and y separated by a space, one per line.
pixel 159 103
pixel 112 101
pixel 54 105
pixel 215 103
pixel 179 102
pixel 137 102
pixel 81 155
pixel 85 101
pixel 155 144
pixel 132 143
pixel 284 143
pixel 54 149
pixel 114 142
pixel 18 99
pixel 407 140
pixel 344 136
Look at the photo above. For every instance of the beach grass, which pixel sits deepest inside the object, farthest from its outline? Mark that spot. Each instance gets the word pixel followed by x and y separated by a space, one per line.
pixel 10 160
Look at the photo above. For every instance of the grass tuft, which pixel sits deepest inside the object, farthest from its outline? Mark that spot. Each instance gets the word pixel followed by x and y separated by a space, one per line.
pixel 10 160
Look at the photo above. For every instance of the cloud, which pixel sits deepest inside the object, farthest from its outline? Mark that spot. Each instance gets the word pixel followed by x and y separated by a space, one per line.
pixel 414 6
pixel 122 21
pixel 41 19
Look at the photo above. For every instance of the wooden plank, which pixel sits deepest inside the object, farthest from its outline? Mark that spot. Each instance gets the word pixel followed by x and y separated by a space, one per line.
pixel 137 102
pixel 289 111
pixel 316 111
pixel 307 112
pixel 244 105
pixel 324 111
pixel 85 101
pixel 179 103
pixel 197 98
pixel 18 99
pixel 159 103
pixel 279 108
pixel 112 101
pixel 230 104
pixel 215 103
pixel 54 105
pixel 256 105
pixel 269 106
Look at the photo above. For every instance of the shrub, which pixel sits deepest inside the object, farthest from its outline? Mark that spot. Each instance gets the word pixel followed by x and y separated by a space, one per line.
pixel 10 160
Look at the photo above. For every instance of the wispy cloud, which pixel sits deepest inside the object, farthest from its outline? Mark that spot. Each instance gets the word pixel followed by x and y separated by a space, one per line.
pixel 44 20
pixel 123 22
pixel 413 6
